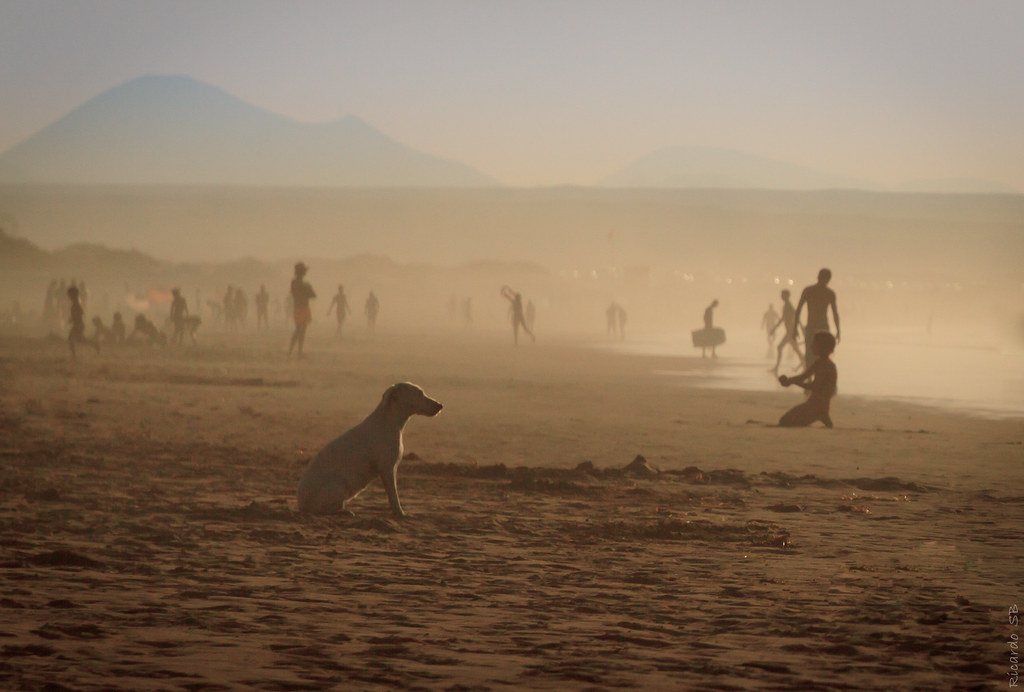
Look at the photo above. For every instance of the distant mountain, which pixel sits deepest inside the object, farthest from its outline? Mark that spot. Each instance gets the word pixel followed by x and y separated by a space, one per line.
pixel 710 167
pixel 18 252
pixel 957 185
pixel 176 130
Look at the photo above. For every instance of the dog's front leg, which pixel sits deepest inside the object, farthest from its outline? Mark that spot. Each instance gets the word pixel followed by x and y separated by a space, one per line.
pixel 390 481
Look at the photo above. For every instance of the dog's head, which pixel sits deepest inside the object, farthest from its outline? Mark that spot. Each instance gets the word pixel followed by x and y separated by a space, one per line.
pixel 410 400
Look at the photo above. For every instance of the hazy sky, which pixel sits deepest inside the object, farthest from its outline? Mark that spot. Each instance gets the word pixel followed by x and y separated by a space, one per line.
pixel 566 92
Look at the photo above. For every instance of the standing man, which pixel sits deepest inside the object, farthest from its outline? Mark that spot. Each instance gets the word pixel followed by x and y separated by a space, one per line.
pixel 371 308
pixel 709 325
pixel 301 293
pixel 342 310
pixel 818 297
pixel 179 311
pixel 262 302
pixel 515 300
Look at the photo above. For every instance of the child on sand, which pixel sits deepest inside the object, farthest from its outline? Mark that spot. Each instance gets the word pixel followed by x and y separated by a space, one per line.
pixel 819 380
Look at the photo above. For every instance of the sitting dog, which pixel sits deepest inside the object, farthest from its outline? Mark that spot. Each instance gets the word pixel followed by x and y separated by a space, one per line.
pixel 372 449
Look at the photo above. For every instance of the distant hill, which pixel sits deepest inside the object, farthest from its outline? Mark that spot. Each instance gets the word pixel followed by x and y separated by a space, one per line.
pixel 711 167
pixel 957 186
pixel 20 253
pixel 166 130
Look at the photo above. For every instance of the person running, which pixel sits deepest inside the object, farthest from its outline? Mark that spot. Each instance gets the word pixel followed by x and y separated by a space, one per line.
pixel 819 379
pixel 262 303
pixel 792 330
pixel 341 309
pixel 818 298
pixel 77 317
pixel 301 293
pixel 372 309
pixel 515 300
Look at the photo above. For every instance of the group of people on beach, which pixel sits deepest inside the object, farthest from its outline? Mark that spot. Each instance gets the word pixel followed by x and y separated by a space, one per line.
pixel 57 307
pixel 819 375
pixel 65 305
pixel 234 309
pixel 117 333
pixel 301 293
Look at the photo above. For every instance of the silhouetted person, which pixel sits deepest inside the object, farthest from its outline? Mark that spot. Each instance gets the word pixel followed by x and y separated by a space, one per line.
pixel 769 321
pixel 179 313
pixel 301 293
pixel 341 309
pixel 77 316
pixel 792 330
pixel 819 379
pixel 818 298
pixel 620 320
pixel 467 312
pixel 372 309
pixel 230 320
pixel 710 336
pixel 148 330
pixel 241 307
pixel 516 311
pixel 709 323
pixel 616 315
pixel 118 329
pixel 262 303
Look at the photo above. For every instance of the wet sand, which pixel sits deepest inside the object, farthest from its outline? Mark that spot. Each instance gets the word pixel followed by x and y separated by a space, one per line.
pixel 149 537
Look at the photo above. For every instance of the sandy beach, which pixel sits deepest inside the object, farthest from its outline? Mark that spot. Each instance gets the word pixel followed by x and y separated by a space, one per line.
pixel 149 537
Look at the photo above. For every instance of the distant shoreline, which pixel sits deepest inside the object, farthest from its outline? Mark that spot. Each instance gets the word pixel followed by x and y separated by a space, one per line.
pixel 746 373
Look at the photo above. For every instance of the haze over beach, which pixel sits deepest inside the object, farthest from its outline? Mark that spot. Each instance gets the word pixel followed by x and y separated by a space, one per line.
pixel 572 224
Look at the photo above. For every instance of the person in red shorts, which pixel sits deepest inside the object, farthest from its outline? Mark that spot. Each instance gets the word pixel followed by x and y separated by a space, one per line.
pixel 302 292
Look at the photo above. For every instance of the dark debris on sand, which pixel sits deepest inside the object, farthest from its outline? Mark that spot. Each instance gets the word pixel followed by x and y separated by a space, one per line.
pixel 502 577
